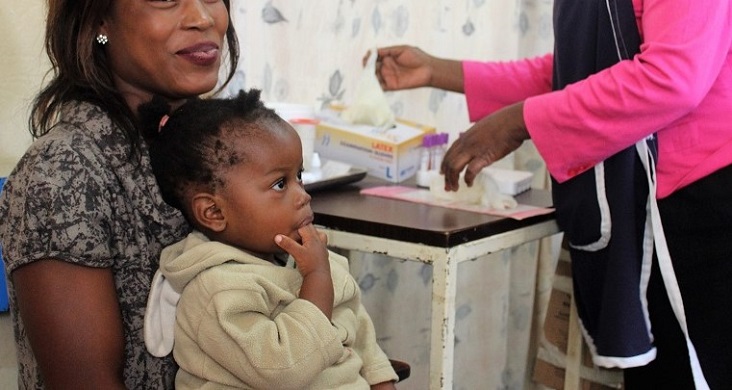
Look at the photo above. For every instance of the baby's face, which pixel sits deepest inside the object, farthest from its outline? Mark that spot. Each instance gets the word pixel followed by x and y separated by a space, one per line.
pixel 264 196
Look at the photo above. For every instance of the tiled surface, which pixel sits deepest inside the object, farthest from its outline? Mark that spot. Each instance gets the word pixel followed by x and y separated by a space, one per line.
pixel 8 368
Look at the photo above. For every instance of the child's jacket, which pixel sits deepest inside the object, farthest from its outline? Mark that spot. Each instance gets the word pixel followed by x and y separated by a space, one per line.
pixel 240 324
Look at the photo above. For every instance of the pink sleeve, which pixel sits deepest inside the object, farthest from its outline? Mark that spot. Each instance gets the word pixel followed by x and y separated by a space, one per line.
pixel 490 86
pixel 686 44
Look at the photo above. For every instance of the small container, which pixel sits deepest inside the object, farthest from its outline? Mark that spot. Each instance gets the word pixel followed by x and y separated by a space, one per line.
pixel 438 150
pixel 305 128
pixel 426 160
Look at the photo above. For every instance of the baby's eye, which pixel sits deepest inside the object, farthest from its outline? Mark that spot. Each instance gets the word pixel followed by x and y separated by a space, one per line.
pixel 279 185
pixel 299 175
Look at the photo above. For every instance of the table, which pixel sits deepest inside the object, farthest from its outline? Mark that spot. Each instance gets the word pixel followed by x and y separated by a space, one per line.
pixel 433 235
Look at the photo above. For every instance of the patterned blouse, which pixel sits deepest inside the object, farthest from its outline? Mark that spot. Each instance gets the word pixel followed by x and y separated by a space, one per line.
pixel 78 197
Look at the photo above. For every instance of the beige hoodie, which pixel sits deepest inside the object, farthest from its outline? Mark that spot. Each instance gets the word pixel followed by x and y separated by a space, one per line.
pixel 240 324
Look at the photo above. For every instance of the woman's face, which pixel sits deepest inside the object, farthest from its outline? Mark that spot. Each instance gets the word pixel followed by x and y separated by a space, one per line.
pixel 169 48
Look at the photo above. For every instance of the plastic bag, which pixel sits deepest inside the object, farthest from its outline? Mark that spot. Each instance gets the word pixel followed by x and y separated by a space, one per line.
pixel 370 106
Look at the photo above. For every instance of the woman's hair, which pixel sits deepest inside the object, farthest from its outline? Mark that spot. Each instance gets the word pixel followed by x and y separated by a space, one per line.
pixel 192 146
pixel 80 70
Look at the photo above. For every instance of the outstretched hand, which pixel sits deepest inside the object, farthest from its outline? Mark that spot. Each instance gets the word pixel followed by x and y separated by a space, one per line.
pixel 487 141
pixel 402 67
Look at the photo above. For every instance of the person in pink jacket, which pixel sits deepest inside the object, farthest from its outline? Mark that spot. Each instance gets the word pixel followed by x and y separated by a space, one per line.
pixel 677 86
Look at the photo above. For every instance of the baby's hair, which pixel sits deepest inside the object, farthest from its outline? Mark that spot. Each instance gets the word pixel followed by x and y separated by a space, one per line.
pixel 191 146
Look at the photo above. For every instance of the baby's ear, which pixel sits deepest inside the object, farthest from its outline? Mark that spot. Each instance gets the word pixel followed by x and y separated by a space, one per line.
pixel 207 213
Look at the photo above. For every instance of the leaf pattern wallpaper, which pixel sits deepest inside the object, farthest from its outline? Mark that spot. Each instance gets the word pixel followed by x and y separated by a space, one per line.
pixel 310 52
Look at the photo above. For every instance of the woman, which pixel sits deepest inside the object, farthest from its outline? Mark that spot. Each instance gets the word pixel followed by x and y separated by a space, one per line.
pixel 676 82
pixel 82 220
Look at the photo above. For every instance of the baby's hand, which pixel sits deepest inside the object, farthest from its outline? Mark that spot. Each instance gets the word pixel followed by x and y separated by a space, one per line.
pixel 312 255
pixel 314 266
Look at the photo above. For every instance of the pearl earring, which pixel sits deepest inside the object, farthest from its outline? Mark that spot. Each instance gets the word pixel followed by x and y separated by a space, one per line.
pixel 102 39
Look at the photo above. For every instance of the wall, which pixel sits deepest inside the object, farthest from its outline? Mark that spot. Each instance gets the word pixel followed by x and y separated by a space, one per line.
pixel 22 67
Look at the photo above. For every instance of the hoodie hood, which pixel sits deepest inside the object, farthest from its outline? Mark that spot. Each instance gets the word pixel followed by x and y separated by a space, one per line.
pixel 184 260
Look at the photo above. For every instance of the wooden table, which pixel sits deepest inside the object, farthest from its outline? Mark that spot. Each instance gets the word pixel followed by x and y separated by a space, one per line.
pixel 433 235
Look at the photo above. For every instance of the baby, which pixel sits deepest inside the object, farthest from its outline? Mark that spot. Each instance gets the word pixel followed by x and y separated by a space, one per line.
pixel 263 304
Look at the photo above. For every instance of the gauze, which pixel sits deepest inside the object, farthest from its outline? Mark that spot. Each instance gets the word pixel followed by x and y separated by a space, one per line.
pixel 370 106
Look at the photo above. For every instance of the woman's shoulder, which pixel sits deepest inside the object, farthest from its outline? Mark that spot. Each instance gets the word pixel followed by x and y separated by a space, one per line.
pixel 80 113
pixel 82 122
pixel 84 132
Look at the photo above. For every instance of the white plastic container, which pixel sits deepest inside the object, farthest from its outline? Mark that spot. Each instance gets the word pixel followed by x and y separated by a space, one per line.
pixel 302 118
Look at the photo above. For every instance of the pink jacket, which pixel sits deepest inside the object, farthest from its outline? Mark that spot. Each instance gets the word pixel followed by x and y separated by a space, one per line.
pixel 680 86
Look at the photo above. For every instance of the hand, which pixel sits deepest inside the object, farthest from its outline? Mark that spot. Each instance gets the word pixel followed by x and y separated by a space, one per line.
pixel 487 141
pixel 312 255
pixel 313 262
pixel 402 67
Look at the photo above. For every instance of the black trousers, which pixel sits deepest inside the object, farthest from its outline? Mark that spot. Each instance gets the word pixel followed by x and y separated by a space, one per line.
pixel 697 221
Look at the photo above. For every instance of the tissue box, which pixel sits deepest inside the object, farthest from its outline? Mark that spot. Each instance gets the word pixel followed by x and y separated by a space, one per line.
pixel 391 154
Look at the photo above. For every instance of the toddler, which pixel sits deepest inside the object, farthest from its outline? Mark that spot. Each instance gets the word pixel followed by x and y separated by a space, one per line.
pixel 255 298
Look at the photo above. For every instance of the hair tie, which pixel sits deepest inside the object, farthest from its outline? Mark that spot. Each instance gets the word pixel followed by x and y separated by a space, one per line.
pixel 163 121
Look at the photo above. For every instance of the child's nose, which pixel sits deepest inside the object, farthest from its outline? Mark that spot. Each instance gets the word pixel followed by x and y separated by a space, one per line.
pixel 303 198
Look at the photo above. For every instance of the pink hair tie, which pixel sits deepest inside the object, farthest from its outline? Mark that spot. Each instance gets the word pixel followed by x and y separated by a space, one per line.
pixel 163 121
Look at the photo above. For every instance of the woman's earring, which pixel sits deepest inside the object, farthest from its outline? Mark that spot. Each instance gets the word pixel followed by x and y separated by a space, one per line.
pixel 102 39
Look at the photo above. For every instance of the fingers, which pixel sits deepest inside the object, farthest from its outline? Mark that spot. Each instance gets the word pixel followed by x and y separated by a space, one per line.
pixel 379 74
pixel 388 73
pixel 453 163
pixel 475 166
pixel 286 243
pixel 312 254
pixel 323 237
pixel 390 51
pixel 310 237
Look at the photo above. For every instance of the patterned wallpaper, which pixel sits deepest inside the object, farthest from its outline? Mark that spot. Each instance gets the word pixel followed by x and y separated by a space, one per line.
pixel 310 51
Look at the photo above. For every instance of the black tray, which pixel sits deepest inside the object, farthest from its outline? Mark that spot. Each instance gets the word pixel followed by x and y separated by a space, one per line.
pixel 354 175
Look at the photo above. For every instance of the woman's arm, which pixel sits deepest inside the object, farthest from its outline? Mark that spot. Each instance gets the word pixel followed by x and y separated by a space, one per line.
pixel 490 86
pixel 73 321
pixel 685 49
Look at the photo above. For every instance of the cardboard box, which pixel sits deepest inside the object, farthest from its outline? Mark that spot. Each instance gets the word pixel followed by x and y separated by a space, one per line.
pixel 557 343
pixel 391 154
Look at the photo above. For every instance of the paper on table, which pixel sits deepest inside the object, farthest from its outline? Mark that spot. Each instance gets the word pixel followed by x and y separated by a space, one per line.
pixel 424 196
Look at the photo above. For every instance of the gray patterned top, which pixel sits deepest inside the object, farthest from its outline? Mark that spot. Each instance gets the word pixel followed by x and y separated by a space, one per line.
pixel 76 196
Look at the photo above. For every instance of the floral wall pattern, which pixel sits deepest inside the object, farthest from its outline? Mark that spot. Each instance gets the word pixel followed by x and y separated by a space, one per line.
pixel 310 51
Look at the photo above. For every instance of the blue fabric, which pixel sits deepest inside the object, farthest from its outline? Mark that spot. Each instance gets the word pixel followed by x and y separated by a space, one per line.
pixel 607 278
pixel 3 285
